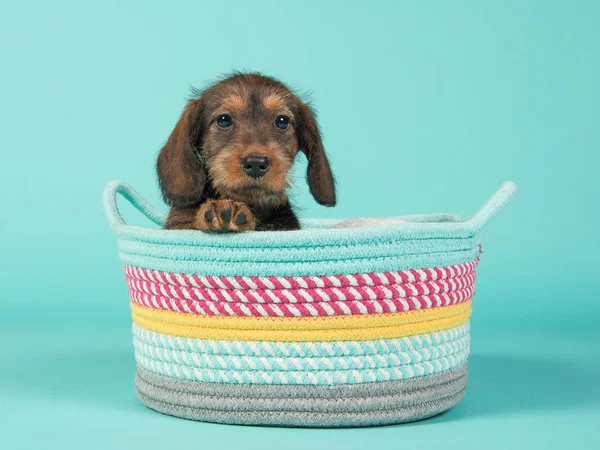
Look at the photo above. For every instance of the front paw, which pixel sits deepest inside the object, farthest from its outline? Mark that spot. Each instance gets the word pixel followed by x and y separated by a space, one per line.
pixel 223 216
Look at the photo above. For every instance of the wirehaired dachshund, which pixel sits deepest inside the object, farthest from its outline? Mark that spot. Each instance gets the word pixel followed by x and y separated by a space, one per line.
pixel 225 166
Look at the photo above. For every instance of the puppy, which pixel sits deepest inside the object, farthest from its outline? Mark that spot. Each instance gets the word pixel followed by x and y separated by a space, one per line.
pixel 225 166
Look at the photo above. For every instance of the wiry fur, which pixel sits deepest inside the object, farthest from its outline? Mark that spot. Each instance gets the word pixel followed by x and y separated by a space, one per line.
pixel 200 170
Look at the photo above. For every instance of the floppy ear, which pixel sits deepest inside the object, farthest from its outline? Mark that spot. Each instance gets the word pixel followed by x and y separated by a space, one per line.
pixel 319 176
pixel 181 174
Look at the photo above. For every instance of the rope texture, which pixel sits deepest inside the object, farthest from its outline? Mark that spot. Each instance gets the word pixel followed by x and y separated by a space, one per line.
pixel 302 377
pixel 300 349
pixel 265 283
pixel 351 402
pixel 261 391
pixel 206 361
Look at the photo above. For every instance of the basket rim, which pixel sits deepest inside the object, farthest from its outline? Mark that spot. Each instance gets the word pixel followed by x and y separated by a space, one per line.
pixel 316 232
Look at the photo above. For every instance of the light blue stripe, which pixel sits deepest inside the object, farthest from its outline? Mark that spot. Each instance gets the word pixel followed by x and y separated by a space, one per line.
pixel 325 377
pixel 302 268
pixel 308 364
pixel 301 349
pixel 295 254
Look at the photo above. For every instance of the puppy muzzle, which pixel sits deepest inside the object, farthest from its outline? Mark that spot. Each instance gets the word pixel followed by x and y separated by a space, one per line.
pixel 256 166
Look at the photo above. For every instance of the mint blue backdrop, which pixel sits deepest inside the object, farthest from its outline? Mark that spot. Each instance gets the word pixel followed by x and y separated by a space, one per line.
pixel 425 107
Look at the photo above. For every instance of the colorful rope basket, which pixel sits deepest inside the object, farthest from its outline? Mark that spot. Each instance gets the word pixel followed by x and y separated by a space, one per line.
pixel 320 327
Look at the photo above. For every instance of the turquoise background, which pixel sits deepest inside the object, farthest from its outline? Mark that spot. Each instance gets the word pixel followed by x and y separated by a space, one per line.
pixel 425 107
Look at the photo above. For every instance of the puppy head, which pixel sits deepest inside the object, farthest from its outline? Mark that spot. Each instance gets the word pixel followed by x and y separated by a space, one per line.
pixel 242 135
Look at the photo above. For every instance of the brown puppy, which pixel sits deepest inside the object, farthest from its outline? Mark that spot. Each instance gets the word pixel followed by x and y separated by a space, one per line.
pixel 225 166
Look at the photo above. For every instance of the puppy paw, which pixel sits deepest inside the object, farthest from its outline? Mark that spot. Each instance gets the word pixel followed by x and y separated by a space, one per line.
pixel 223 216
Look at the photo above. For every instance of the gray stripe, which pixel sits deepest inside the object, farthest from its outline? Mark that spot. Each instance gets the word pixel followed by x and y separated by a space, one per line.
pixel 307 419
pixel 299 404
pixel 287 391
pixel 306 406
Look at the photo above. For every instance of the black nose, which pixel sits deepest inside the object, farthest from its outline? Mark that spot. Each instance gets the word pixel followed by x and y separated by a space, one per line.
pixel 255 166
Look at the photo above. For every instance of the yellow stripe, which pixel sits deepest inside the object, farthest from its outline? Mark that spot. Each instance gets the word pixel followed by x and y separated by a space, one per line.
pixel 299 323
pixel 335 328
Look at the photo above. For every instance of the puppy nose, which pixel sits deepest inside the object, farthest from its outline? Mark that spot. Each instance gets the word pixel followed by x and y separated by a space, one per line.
pixel 255 166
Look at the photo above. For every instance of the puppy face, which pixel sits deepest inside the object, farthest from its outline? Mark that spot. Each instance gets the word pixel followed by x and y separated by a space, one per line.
pixel 249 142
pixel 241 137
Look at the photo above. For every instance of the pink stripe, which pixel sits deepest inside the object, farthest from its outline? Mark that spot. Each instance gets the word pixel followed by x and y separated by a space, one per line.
pixel 334 308
pixel 313 295
pixel 354 280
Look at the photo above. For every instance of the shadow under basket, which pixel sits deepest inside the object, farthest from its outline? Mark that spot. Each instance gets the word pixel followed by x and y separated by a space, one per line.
pixel 321 327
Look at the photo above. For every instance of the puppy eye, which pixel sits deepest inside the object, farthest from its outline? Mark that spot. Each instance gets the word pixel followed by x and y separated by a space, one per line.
pixel 282 122
pixel 224 121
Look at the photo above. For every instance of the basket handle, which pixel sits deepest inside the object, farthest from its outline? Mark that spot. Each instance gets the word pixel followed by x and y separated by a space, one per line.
pixel 140 203
pixel 493 206
pixel 476 222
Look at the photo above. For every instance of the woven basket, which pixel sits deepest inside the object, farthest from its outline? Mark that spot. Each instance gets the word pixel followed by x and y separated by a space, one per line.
pixel 320 327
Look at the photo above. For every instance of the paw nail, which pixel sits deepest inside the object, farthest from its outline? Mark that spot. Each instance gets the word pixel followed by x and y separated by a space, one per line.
pixel 226 215
pixel 240 219
pixel 208 215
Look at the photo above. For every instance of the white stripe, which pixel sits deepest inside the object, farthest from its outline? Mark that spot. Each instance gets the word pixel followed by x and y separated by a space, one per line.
pixel 186 293
pixel 246 310
pixel 220 283
pixel 162 289
pixel 301 282
pixel 214 309
pixel 335 281
pixel 285 283
pixel 228 308
pixel 413 289
pixel 323 295
pixel 387 292
pixel 227 296
pixel 318 281
pixel 311 309
pixel 289 296
pixel 328 309
pixel 355 293
pixel 370 293
pixel 306 295
pixel 339 294
pixel 158 276
pixel 242 296
pixel 277 310
pixel 273 297
pixel 382 278
pixel 174 292
pixel 353 281
pixel 261 310
pixel 267 283
pixel 391 305
pixel 362 308
pixel 294 310
pixel 250 283
pixel 193 282
pixel 168 278
pixel 378 308
pixel 150 275
pixel 199 309
pixel 205 282
pixel 234 282
pixel 186 307
pixel 368 279
pixel 345 308
pixel 257 296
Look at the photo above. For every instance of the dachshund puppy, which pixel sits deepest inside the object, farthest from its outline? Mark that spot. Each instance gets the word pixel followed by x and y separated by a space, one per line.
pixel 225 166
